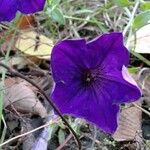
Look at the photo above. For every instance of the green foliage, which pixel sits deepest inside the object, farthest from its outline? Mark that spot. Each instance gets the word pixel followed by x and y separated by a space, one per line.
pixel 53 3
pixel 57 16
pixel 61 136
pixel 51 130
pixel 54 12
pixel 145 6
pixel 141 19
pixel 122 3
pixel 133 70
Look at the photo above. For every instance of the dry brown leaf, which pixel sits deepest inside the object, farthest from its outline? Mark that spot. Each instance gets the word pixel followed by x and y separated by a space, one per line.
pixel 129 124
pixel 21 97
pixel 26 22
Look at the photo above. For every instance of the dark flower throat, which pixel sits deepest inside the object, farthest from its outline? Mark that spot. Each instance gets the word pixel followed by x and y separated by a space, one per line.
pixel 87 77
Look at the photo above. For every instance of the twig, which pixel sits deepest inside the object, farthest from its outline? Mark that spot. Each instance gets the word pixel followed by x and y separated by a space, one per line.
pixel 4 131
pixel 24 134
pixel 17 74
pixel 143 110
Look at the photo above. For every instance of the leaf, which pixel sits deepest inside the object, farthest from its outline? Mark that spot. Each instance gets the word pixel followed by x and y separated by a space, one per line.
pixel 129 124
pixel 76 124
pixel 57 16
pixel 33 44
pixel 142 42
pixel 145 6
pixel 18 62
pixel 133 70
pixel 53 2
pixel 141 19
pixel 122 3
pixel 54 12
pixel 26 22
pixel 20 97
pixel 51 130
pixel 61 136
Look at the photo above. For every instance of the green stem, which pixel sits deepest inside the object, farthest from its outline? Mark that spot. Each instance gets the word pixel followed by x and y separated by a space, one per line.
pixel 79 19
pixel 139 56
pixel 129 25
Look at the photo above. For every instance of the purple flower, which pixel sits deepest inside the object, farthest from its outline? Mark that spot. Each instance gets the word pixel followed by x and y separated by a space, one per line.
pixel 91 79
pixel 8 8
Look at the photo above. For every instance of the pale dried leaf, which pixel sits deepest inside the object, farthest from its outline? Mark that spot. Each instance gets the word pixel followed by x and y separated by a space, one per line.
pixel 142 40
pixel 34 44
pixel 21 97
pixel 129 124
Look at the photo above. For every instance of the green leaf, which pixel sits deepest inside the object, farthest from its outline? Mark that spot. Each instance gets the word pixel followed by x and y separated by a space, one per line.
pixel 145 6
pixel 51 130
pixel 141 19
pixel 57 15
pixel 53 2
pixel 61 136
pixel 122 3
pixel 133 70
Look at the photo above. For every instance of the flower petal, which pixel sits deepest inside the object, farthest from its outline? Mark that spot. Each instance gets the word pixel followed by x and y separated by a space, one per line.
pixel 8 9
pixel 120 85
pixel 108 49
pixel 30 6
pixel 68 59
pixel 94 106
pixel 99 63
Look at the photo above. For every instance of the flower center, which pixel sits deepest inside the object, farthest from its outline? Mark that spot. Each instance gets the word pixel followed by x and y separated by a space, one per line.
pixel 87 77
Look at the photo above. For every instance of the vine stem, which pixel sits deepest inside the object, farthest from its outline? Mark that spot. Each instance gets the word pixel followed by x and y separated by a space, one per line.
pixel 17 74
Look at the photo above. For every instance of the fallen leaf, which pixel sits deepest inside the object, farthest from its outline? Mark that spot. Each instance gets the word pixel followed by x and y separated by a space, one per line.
pixel 26 21
pixel 129 124
pixel 142 42
pixel 34 44
pixel 20 96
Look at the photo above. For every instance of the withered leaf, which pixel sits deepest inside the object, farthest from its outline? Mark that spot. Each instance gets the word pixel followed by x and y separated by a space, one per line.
pixel 21 97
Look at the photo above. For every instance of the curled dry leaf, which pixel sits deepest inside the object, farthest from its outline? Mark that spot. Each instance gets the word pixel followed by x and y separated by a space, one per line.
pixel 20 96
pixel 129 124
